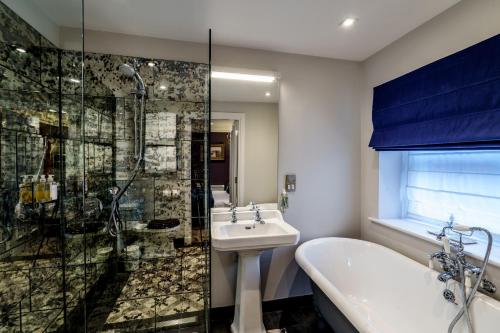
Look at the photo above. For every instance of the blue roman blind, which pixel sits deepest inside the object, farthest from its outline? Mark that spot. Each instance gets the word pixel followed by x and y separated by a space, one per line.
pixel 452 103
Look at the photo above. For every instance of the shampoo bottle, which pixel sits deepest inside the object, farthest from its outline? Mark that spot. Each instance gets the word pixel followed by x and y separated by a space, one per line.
pixel 52 188
pixel 40 189
pixel 26 191
pixel 284 201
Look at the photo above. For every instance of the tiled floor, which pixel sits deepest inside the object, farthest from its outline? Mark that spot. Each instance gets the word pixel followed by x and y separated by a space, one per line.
pixel 294 316
pixel 156 296
pixel 162 294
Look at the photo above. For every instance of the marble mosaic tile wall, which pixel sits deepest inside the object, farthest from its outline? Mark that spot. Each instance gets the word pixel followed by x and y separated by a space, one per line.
pixel 54 261
pixel 162 190
pixel 32 296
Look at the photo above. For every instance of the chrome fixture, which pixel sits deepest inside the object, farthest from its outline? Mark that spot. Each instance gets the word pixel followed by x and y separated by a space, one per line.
pixel 114 225
pixel 254 205
pixel 258 217
pixel 454 264
pixel 129 71
pixel 234 219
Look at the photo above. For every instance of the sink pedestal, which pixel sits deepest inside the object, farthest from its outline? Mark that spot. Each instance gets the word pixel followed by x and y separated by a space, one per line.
pixel 248 305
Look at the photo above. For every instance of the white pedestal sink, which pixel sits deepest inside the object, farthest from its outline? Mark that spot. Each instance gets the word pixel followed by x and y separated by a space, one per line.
pixel 249 239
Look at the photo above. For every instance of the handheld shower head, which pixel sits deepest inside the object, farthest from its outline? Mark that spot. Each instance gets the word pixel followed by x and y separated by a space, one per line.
pixel 129 71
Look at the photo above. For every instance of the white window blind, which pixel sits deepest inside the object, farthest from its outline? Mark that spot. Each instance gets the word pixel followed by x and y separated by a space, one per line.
pixel 463 183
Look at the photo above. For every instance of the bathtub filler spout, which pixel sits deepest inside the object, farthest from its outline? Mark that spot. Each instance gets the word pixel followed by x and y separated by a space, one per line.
pixel 454 264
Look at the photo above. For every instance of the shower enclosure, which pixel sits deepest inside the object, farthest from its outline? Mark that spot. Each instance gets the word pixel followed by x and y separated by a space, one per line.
pixel 103 174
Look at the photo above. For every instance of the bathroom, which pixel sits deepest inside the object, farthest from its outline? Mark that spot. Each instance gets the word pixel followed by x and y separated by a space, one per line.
pixel 230 166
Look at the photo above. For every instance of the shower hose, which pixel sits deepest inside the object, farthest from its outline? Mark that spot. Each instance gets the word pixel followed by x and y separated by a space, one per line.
pixel 468 300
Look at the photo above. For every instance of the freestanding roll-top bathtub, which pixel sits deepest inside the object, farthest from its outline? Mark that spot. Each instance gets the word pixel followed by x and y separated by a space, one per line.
pixel 379 290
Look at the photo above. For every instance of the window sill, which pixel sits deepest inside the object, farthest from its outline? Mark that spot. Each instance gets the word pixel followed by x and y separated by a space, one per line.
pixel 420 230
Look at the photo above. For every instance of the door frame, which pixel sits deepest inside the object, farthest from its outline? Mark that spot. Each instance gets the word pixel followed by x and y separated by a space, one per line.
pixel 241 149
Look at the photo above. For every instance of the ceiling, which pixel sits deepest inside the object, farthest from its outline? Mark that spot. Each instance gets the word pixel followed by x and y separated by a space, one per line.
pixel 309 27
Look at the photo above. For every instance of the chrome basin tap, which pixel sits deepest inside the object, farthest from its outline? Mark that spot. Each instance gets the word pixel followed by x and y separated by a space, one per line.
pixel 234 219
pixel 258 218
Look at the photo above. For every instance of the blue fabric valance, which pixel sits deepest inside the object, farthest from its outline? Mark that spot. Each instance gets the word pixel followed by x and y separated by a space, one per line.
pixel 452 103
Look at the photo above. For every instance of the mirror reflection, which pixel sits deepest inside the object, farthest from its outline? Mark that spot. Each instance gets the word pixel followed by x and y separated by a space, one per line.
pixel 244 137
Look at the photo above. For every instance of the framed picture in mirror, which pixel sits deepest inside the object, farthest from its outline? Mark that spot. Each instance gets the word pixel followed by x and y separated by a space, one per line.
pixel 217 152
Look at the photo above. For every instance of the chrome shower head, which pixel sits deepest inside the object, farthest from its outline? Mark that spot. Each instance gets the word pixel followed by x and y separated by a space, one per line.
pixel 129 71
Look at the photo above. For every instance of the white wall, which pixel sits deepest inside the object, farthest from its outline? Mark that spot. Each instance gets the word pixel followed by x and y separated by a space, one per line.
pixel 261 148
pixel 319 140
pixel 463 25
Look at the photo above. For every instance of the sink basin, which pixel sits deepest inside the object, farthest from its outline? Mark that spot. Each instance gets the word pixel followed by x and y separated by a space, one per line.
pixel 247 235
pixel 249 239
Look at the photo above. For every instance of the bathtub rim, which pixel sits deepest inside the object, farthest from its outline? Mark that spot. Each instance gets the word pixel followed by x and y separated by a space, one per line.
pixel 332 292
pixel 337 297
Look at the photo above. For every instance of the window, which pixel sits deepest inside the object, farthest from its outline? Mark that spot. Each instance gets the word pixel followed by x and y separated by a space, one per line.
pixel 436 184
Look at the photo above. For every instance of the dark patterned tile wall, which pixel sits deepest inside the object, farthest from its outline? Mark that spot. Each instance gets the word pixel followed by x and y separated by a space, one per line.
pixel 34 284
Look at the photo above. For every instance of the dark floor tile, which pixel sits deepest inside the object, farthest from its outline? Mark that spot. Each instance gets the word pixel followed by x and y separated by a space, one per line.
pixel 292 316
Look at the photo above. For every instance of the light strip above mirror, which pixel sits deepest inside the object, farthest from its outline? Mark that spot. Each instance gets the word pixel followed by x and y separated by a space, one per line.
pixel 243 77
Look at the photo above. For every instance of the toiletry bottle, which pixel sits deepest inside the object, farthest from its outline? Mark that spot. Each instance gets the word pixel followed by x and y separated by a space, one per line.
pixel 40 189
pixel 25 191
pixel 46 190
pixel 36 183
pixel 284 201
pixel 52 188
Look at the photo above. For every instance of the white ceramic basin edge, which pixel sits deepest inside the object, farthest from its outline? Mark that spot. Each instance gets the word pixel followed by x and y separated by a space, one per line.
pixel 247 235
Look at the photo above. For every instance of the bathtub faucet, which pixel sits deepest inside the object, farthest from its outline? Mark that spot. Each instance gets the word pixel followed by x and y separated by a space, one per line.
pixel 445 276
pixel 455 266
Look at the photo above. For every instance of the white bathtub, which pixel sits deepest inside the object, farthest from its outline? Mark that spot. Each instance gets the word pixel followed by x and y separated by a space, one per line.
pixel 380 290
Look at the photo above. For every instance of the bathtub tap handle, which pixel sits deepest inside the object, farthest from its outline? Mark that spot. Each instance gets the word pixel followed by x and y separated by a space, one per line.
pixel 435 255
pixel 438 255
pixel 472 269
pixel 445 276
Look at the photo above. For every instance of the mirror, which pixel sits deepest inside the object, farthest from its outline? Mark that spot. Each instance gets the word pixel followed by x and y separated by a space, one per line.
pixel 244 137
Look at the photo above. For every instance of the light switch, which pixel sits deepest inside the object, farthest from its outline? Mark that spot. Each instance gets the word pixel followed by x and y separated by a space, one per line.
pixel 290 183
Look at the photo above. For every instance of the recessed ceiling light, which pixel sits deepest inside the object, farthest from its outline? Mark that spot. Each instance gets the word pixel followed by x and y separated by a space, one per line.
pixel 162 87
pixel 348 22
pixel 73 80
pixel 268 94
pixel 243 77
pixel 151 64
pixel 20 50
